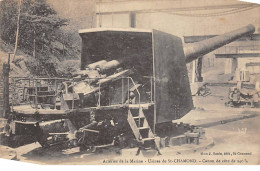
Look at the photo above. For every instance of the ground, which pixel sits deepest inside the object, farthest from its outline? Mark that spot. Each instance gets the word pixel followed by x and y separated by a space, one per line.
pixel 233 130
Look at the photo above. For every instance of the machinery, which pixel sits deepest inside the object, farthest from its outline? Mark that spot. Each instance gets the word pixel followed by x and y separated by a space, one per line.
pixel 132 84
pixel 243 95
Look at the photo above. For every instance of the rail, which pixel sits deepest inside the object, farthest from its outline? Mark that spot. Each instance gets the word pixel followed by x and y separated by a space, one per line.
pixel 128 91
pixel 122 92
pixel 151 87
pixel 21 84
pixel 34 89
pixel 136 88
pixel 139 98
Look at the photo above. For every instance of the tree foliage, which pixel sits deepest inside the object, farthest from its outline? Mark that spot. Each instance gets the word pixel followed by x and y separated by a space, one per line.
pixel 38 22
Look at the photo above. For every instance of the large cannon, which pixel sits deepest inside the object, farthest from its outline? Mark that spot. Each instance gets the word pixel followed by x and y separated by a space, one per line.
pixel 133 78
pixel 154 54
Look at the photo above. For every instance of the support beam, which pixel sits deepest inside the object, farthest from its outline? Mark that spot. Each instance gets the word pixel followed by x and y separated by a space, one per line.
pixel 196 70
pixel 234 66
pixel 132 20
pixel 238 55
pixel 193 39
pixel 199 69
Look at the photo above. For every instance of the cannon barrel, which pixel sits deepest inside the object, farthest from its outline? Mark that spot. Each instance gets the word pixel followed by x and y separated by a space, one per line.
pixel 97 64
pixel 111 64
pixel 198 49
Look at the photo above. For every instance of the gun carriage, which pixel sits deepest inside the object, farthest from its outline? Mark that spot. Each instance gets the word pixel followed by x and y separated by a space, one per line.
pixel 132 84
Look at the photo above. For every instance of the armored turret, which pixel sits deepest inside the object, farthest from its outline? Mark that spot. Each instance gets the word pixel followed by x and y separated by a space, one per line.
pixel 155 54
pixel 136 78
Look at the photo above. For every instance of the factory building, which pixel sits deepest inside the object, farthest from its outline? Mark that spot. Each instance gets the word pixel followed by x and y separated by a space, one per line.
pixel 192 22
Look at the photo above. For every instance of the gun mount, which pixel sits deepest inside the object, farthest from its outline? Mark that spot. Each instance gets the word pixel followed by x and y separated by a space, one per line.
pixel 153 54
pixel 136 79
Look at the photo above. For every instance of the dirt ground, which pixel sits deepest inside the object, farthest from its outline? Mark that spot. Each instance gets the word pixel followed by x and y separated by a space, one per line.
pixel 235 141
pixel 234 131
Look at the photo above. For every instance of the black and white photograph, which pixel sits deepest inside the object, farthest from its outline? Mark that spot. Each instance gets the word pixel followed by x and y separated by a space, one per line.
pixel 130 82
